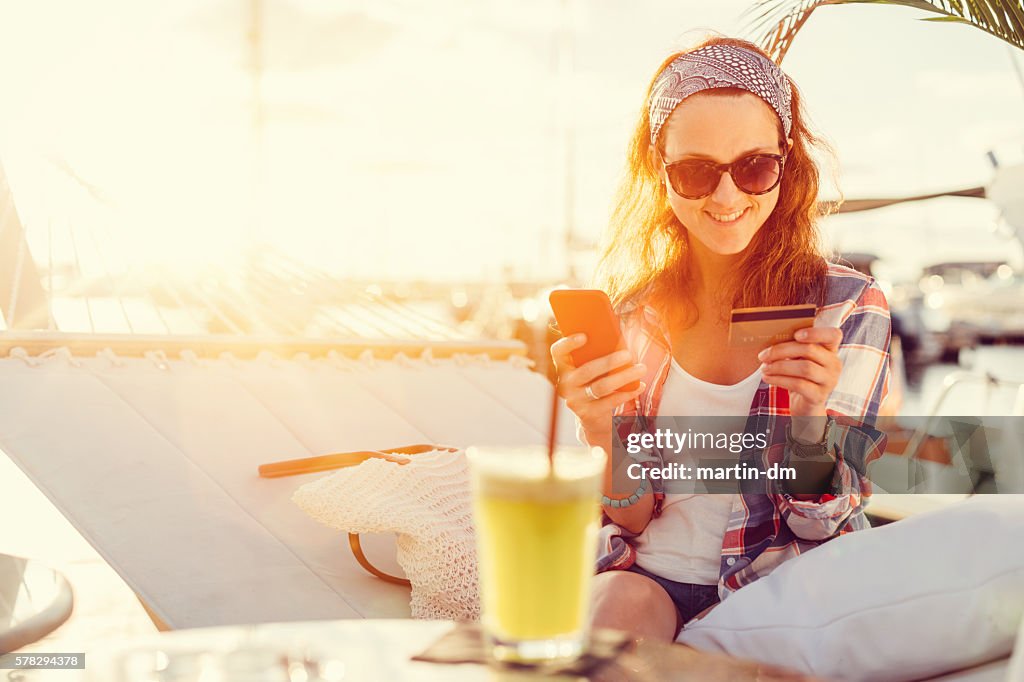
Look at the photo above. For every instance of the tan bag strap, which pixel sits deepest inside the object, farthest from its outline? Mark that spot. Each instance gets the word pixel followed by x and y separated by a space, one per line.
pixel 357 550
pixel 341 460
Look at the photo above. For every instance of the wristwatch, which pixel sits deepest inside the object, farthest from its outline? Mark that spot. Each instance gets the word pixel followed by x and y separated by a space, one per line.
pixel 812 450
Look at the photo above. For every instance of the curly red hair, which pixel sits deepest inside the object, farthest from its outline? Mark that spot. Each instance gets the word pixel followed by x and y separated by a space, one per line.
pixel 644 250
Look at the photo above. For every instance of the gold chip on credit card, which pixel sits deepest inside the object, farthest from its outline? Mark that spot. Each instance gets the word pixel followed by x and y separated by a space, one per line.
pixel 762 327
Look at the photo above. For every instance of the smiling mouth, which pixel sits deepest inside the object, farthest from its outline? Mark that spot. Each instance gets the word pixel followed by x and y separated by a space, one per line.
pixel 727 218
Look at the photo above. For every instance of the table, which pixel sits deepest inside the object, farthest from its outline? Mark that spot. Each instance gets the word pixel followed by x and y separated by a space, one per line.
pixel 370 650
pixel 34 601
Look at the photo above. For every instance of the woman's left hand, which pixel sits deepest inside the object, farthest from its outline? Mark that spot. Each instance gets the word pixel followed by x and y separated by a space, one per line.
pixel 807 367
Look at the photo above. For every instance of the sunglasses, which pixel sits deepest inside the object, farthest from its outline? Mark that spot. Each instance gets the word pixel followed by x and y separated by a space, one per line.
pixel 698 178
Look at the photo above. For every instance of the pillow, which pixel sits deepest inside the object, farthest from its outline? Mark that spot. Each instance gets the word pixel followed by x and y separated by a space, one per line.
pixel 427 503
pixel 916 598
pixel 1015 668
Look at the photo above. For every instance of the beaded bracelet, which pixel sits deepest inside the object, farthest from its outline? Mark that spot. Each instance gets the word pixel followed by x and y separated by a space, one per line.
pixel 626 501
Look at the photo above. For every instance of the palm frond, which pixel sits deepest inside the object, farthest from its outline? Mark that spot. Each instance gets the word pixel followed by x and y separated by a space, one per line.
pixel 776 23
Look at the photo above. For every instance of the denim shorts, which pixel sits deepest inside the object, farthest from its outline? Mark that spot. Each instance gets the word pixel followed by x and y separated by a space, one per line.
pixel 689 599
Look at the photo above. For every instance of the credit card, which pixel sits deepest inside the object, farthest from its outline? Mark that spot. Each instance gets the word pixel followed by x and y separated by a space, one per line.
pixel 762 327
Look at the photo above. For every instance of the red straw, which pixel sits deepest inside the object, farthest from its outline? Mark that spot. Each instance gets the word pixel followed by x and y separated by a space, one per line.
pixel 552 428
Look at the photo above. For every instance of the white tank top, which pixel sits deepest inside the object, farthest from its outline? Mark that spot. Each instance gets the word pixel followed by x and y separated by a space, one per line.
pixel 684 544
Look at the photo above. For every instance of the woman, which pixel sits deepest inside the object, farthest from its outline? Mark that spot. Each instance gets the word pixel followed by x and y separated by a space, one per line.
pixel 718 212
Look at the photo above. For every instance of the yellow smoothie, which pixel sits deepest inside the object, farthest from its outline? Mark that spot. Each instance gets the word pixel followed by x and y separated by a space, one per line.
pixel 536 539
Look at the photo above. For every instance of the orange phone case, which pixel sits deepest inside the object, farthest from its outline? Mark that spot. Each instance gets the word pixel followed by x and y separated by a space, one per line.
pixel 588 311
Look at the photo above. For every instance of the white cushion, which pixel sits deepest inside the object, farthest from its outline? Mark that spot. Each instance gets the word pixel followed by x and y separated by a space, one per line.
pixel 916 598
pixel 1016 664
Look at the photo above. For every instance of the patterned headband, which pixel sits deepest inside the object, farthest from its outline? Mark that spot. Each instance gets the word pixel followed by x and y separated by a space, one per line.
pixel 719 66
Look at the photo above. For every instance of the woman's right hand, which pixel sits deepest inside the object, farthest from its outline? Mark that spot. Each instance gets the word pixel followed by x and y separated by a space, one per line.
pixel 595 409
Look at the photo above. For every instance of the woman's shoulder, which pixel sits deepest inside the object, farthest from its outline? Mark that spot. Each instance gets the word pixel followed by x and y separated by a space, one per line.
pixel 639 306
pixel 855 302
pixel 642 323
pixel 640 315
pixel 844 284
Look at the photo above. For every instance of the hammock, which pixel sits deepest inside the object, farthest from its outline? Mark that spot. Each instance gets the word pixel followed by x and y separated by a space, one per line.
pixel 155 462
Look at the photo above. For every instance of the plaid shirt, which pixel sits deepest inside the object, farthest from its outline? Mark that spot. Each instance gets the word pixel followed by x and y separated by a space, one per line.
pixel 765 530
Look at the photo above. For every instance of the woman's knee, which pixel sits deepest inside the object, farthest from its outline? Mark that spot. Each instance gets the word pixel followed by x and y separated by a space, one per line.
pixel 631 601
pixel 627 588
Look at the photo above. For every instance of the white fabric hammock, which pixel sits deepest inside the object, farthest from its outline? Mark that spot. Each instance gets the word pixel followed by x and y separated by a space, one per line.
pixel 154 462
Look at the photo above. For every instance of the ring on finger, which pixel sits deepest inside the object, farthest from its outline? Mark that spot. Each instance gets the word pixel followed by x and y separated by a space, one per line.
pixel 591 394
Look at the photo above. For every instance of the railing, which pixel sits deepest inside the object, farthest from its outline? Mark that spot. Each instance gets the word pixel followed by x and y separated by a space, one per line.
pixel 958 379
pixel 953 380
pixel 136 345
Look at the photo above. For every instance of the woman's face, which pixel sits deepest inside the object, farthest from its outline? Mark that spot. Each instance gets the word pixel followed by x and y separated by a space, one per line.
pixel 721 128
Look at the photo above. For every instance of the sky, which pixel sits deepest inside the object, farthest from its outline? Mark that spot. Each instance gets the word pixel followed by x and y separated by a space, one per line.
pixel 400 138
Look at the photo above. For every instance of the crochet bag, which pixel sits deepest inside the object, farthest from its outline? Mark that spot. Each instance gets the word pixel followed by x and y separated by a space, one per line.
pixel 419 492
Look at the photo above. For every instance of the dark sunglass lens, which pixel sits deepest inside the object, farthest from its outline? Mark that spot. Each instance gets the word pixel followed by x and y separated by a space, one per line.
pixel 757 174
pixel 694 179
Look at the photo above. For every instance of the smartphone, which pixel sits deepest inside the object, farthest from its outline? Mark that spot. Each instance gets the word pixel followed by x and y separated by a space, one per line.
pixel 588 311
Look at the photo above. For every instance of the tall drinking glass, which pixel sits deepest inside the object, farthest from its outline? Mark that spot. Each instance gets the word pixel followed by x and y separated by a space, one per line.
pixel 536 543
